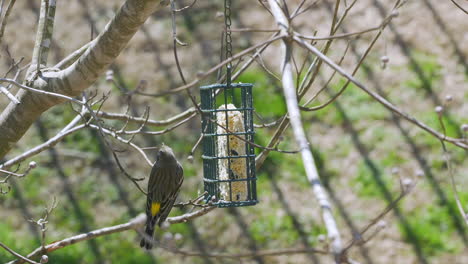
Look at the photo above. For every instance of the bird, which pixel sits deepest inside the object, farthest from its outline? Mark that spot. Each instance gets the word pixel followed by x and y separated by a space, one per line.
pixel 166 178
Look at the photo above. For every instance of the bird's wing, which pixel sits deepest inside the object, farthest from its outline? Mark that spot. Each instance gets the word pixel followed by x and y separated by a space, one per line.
pixel 159 196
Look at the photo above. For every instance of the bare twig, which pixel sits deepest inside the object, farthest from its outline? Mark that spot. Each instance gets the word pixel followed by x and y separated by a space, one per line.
pixel 149 122
pixel 303 108
pixel 9 95
pixel 31 166
pixel 5 18
pixel 160 132
pixel 25 87
pixel 213 69
pixel 133 224
pixel 24 259
pixel 380 99
pixel 300 11
pixel 253 30
pixel 284 124
pixel 186 7
pixel 72 57
pixel 253 254
pixel 195 202
pixel 71 128
pixel 446 155
pixel 344 35
pixel 405 191
pixel 459 6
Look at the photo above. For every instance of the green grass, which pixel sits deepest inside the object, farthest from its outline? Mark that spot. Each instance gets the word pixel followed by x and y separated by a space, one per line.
pixel 431 225
pixel 271 228
pixel 23 246
pixel 431 69
pixel 365 182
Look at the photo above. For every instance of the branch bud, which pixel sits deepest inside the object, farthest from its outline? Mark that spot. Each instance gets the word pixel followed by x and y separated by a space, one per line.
pixel 419 173
pixel 407 182
pixel 110 76
pixel 464 127
pixel 321 238
pixel 394 13
pixel 178 237
pixel 381 224
pixel 448 98
pixel 190 158
pixel 32 164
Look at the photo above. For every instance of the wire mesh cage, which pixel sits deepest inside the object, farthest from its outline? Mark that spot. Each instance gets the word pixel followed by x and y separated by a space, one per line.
pixel 228 157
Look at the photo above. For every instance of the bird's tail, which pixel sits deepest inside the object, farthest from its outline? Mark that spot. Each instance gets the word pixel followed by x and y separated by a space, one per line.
pixel 147 241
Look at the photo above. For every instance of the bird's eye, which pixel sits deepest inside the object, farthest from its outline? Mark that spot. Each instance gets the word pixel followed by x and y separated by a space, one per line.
pixel 160 152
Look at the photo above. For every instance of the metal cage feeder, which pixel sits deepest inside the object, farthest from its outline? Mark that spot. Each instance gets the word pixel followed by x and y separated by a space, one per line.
pixel 228 157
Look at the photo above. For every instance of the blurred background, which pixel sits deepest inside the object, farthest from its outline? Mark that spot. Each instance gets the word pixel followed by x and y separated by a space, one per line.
pixel 362 150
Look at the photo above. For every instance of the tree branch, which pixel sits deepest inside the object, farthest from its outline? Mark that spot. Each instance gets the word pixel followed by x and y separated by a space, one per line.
pixel 16 119
pixel 133 224
pixel 17 255
pixel 299 134
pixel 380 99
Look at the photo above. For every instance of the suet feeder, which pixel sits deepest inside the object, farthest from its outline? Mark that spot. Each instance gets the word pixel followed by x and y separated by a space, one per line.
pixel 228 136
pixel 228 152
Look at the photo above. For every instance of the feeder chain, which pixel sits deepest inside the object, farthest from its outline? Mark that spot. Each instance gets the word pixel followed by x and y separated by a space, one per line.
pixel 227 35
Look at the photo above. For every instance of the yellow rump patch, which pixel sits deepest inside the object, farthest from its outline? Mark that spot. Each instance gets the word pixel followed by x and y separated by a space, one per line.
pixel 155 208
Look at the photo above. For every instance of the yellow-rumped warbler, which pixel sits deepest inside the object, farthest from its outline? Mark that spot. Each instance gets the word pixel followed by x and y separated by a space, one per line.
pixel 164 184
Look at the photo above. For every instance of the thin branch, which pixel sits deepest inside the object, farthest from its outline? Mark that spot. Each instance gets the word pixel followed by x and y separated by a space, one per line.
pixel 299 12
pixel 189 216
pixel 253 254
pixel 176 57
pixel 304 108
pixel 160 132
pixel 72 57
pixel 380 99
pixel 212 70
pixel 253 30
pixel 5 18
pixel 314 68
pixel 9 174
pixel 405 191
pixel 186 7
pixel 17 255
pixel 38 91
pixel 450 169
pixel 9 95
pixel 46 145
pixel 48 30
pixel 41 35
pixel 253 57
pixel 343 35
pixel 133 224
pixel 459 6
pixel 195 202
pixel 299 134
pixel 260 159
pixel 150 122
pixel 125 141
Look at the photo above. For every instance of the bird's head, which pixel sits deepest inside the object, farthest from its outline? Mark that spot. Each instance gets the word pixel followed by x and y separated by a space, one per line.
pixel 165 154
